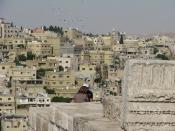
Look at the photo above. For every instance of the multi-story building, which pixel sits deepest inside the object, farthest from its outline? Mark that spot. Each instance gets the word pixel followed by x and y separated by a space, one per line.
pixel 73 34
pixel 40 49
pixel 62 82
pixel 14 123
pixel 97 57
pixel 7 104
pixel 6 66
pixel 87 68
pixel 8 30
pixel 68 63
pixel 22 73
pixel 67 49
pixel 39 100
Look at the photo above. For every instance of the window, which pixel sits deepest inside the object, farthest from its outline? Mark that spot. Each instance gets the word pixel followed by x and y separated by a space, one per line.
pixel 54 76
pixel 90 69
pixel 67 76
pixel 83 68
pixel 3 67
pixel 9 98
pixel 67 62
pixel 1 99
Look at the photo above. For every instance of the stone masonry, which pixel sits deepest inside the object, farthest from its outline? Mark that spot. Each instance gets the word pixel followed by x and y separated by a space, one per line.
pixel 147 104
pixel 148 96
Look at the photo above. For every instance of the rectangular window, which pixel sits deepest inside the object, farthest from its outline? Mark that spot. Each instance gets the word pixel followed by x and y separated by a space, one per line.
pixel 9 98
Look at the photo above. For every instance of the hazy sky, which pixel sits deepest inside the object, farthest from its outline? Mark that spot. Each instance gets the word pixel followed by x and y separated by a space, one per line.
pixel 132 16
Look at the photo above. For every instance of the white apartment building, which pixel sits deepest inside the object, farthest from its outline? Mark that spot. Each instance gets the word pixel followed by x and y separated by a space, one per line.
pixel 40 100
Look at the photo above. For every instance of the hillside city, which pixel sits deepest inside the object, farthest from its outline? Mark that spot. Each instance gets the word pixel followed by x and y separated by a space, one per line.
pixel 48 65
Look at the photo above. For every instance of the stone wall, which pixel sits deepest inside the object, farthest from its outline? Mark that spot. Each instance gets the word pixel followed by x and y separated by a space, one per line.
pixel 147 104
pixel 148 98
pixel 71 117
pixel 112 108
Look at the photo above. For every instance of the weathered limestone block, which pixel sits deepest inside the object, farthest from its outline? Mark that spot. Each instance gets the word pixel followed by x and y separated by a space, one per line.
pixel 71 117
pixel 148 96
pixel 112 108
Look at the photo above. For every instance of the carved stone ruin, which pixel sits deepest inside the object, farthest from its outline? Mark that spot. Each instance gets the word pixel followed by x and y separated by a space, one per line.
pixel 148 96
pixel 147 104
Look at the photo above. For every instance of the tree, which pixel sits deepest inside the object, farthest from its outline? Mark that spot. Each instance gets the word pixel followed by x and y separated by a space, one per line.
pixel 121 39
pixel 56 29
pixel 49 91
pixel 162 57
pixel 156 50
pixel 44 28
pixel 21 46
pixel 41 72
pixel 30 56
pixel 61 99
pixel 22 57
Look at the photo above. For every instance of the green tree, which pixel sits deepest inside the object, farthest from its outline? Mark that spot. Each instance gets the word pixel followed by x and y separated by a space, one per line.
pixel 121 39
pixel 156 50
pixel 41 72
pixel 162 57
pixel 22 57
pixel 30 56
pixel 49 91
pixel 61 99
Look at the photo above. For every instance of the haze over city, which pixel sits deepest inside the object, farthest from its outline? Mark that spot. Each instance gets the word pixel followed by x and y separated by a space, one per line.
pixel 87 65
pixel 97 16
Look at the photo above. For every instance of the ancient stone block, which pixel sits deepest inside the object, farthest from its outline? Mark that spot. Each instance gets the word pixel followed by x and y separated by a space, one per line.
pixel 148 96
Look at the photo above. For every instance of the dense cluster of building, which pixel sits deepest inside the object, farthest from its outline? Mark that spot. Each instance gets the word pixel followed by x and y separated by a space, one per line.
pixel 37 65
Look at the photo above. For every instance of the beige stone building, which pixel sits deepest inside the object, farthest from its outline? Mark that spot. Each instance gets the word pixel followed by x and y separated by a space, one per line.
pixel 97 57
pixel 6 66
pixel 62 82
pixel 7 104
pixel 33 100
pixel 40 49
pixel 7 29
pixel 72 34
pixel 22 73
pixel 14 123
